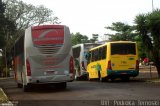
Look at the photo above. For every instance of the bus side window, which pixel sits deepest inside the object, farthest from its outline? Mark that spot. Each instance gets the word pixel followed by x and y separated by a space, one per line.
pixel 100 53
pixel 96 55
pixel 92 56
pixel 19 46
pixel 76 52
pixel 104 52
pixel 88 57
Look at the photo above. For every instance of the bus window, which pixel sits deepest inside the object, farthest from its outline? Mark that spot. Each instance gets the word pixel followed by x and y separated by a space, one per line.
pixel 19 46
pixel 89 57
pixel 104 52
pixel 96 54
pixel 76 52
pixel 100 54
pixel 92 58
pixel 123 48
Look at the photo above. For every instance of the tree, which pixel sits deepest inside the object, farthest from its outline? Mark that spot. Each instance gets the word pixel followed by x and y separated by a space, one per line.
pixel 94 38
pixel 7 29
pixel 26 15
pixel 141 48
pixel 123 32
pixel 78 38
pixel 2 18
pixel 148 26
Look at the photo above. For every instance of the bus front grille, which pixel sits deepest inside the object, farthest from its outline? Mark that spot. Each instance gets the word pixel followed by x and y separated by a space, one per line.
pixel 49 49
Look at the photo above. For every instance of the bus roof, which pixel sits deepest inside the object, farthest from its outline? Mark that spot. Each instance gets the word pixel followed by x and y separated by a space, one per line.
pixel 121 42
pixel 47 26
pixel 110 43
pixel 84 44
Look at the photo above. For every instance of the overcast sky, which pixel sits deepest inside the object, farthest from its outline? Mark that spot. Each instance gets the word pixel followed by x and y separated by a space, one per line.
pixel 91 16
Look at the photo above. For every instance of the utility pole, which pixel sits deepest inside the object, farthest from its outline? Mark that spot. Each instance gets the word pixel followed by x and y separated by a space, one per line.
pixel 152 6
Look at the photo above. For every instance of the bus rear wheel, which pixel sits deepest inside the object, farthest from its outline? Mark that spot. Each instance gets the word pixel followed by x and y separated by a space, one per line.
pixel 19 85
pixel 105 79
pixel 26 88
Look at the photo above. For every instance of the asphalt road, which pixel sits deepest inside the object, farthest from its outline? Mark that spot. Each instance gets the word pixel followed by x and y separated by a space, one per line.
pixel 78 92
pixel 88 93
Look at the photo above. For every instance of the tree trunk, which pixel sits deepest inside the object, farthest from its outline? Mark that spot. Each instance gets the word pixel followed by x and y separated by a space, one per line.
pixel 157 64
pixel 155 54
pixel 158 71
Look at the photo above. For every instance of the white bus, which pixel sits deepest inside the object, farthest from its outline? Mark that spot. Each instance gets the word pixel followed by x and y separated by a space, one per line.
pixel 43 55
pixel 79 53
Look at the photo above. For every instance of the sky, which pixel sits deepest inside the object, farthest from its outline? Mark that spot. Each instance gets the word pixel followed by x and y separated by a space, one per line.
pixel 91 16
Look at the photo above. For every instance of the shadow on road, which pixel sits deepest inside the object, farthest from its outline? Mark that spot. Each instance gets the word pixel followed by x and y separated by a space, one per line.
pixel 44 88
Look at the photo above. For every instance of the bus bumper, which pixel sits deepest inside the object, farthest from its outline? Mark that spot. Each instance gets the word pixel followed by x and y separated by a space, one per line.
pixel 121 73
pixel 51 79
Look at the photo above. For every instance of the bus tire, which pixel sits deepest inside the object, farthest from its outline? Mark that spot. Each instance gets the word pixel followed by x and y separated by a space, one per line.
pixel 25 88
pixel 112 79
pixel 19 85
pixel 104 79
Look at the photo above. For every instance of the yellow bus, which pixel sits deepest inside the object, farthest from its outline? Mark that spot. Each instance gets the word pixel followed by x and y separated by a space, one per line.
pixel 118 59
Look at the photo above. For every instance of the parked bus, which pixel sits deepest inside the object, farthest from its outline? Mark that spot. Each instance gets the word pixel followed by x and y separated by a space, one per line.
pixel 79 53
pixel 112 60
pixel 43 55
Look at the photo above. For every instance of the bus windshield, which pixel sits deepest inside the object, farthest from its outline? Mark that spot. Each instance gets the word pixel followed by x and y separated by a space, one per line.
pixel 123 48
pixel 76 52
pixel 48 36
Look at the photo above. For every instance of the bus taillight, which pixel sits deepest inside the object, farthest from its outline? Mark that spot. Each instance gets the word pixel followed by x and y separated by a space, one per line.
pixel 71 65
pixel 137 65
pixel 28 68
pixel 109 65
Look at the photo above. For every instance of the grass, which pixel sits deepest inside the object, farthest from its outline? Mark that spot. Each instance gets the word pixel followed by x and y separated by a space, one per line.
pixel 156 80
pixel 3 97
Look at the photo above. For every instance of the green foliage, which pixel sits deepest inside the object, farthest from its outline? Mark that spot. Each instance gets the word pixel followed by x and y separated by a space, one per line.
pixel 2 18
pixel 141 47
pixel 26 15
pixel 148 27
pixel 2 41
pixel 7 28
pixel 78 38
pixel 122 32
pixel 16 16
pixel 5 72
